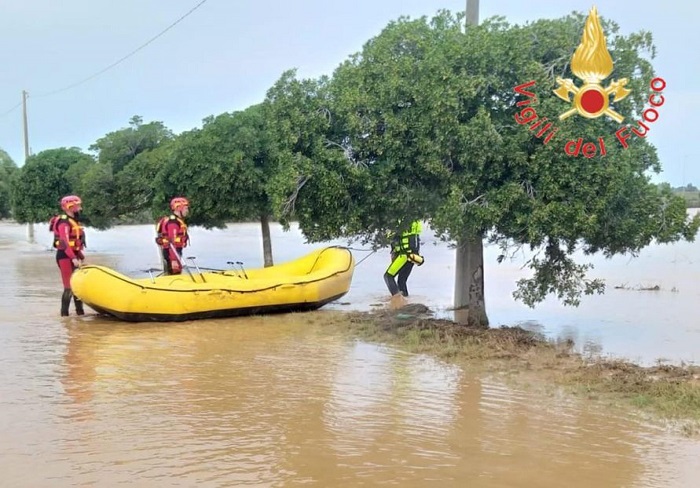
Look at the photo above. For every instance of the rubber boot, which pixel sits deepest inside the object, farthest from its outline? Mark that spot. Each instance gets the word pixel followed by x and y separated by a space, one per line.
pixel 65 302
pixel 79 310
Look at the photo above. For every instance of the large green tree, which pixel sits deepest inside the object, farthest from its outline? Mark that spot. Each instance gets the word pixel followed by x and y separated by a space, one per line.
pixel 427 112
pixel 117 187
pixel 136 183
pixel 45 178
pixel 225 170
pixel 118 148
pixel 311 163
pixel 8 169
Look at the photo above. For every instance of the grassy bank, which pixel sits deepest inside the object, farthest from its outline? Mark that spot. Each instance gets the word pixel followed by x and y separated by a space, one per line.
pixel 667 392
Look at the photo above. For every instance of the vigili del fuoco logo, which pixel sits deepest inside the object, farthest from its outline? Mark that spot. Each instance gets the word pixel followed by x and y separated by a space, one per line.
pixel 592 65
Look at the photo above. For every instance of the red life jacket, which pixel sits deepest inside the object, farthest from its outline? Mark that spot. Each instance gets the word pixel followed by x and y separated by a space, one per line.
pixel 181 237
pixel 76 235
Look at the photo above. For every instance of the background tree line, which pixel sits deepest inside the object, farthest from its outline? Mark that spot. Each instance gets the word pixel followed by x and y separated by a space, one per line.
pixel 690 193
pixel 417 125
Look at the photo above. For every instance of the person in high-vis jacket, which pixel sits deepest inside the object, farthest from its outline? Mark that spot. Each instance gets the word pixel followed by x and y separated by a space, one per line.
pixel 172 235
pixel 405 253
pixel 69 242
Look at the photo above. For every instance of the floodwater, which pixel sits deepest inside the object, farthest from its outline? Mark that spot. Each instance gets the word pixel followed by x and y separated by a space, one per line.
pixel 275 401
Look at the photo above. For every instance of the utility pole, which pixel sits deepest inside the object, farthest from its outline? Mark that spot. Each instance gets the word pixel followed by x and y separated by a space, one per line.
pixel 472 12
pixel 469 259
pixel 30 225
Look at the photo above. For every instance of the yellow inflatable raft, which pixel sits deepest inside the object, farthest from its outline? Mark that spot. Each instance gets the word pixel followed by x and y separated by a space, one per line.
pixel 304 284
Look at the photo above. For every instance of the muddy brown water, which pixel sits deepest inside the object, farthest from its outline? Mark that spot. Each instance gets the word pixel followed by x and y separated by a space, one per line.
pixel 275 401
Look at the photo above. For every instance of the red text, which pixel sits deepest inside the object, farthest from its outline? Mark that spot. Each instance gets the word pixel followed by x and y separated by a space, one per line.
pixel 589 149
pixel 649 116
pixel 528 114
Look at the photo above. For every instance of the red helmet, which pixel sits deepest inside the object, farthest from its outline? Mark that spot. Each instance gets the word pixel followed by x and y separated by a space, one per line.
pixel 178 202
pixel 70 201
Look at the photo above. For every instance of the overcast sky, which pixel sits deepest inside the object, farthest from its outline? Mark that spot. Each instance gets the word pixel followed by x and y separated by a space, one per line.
pixel 227 53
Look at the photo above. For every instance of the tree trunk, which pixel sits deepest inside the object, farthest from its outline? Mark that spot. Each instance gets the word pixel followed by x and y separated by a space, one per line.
pixel 30 233
pixel 469 302
pixel 267 242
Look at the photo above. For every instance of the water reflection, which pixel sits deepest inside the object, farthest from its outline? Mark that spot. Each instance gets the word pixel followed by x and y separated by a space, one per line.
pixel 592 449
pixel 275 401
pixel 80 372
pixel 230 390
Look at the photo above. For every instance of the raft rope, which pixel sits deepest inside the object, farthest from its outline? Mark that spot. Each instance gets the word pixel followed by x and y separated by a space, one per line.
pixel 360 261
pixel 371 251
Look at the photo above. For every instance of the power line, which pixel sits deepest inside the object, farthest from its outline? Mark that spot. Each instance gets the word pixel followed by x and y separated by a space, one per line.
pixel 11 110
pixel 202 2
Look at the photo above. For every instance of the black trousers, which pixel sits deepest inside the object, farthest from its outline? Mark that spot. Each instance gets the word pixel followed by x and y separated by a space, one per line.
pixel 402 277
pixel 396 275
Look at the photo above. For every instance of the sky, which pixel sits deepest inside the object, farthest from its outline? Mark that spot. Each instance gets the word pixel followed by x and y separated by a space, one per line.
pixel 226 54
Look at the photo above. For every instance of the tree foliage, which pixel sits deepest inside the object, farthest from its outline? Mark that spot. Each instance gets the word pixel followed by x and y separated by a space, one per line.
pixel 426 114
pixel 43 180
pixel 301 124
pixel 8 170
pixel 97 191
pixel 223 168
pixel 118 148
pixel 137 184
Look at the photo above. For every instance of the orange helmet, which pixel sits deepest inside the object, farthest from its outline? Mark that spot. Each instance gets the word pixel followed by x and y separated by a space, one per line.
pixel 70 201
pixel 178 202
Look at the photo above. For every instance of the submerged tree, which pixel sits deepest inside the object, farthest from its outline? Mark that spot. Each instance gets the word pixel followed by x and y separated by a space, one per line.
pixel 225 170
pixel 425 122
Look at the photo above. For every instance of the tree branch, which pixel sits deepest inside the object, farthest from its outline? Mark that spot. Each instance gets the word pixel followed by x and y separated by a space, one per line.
pixel 348 152
pixel 527 186
pixel 466 202
pixel 291 201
